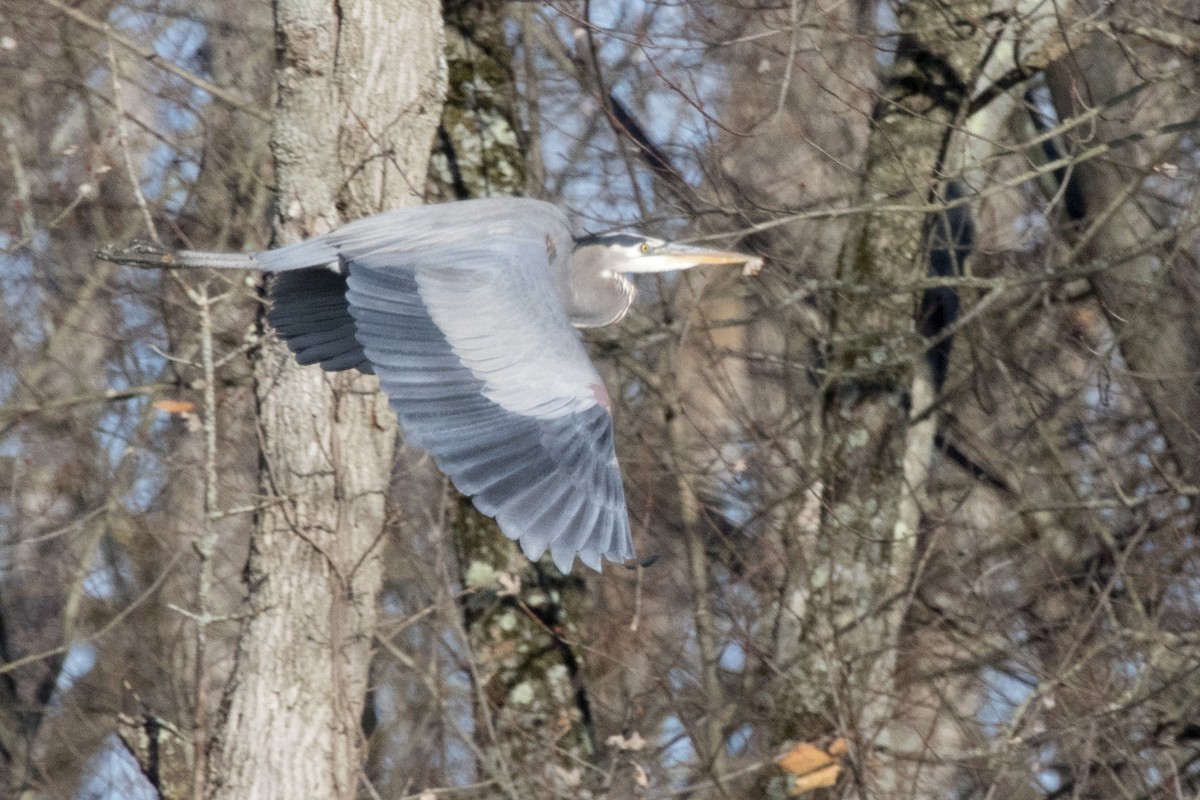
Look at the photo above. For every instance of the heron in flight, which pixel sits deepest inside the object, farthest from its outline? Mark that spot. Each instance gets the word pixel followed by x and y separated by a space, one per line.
pixel 467 313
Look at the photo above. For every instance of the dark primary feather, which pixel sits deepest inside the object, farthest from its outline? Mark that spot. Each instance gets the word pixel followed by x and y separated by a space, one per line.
pixel 310 311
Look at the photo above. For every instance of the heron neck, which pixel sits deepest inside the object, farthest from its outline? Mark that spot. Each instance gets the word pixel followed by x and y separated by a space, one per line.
pixel 595 296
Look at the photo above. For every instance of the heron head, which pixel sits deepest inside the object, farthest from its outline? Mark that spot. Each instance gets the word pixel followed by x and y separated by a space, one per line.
pixel 596 291
pixel 630 253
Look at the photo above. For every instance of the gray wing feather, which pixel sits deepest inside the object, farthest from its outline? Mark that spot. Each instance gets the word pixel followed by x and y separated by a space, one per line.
pixel 552 483
pixel 456 308
pixel 501 393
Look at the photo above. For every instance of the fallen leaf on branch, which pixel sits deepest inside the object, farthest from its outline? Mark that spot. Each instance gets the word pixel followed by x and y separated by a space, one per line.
pixel 174 406
pixel 812 767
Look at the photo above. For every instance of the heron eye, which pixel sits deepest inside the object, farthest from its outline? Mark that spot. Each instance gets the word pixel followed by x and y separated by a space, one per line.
pixel 644 247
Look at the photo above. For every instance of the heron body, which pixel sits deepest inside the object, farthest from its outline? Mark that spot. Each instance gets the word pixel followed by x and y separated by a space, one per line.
pixel 467 313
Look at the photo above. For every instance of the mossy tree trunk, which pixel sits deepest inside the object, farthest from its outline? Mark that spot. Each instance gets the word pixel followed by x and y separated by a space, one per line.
pixel 532 719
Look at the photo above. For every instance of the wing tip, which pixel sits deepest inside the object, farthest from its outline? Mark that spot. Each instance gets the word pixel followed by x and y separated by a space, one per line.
pixel 620 551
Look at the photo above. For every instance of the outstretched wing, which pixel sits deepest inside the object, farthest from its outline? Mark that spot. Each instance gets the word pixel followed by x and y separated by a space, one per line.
pixel 455 308
pixel 310 312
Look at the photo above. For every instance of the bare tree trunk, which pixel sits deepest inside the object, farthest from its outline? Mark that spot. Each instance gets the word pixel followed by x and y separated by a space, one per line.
pixel 810 128
pixel 877 429
pixel 352 136
pixel 1151 299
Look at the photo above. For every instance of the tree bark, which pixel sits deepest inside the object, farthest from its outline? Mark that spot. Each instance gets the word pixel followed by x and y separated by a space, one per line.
pixel 878 434
pixel 352 136
pixel 533 723
pixel 1150 300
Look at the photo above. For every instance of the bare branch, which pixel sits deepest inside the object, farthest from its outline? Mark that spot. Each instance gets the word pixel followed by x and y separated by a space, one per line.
pixel 229 98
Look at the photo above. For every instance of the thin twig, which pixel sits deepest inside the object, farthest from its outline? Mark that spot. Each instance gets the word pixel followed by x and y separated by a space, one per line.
pixel 20 178
pixel 206 546
pixel 85 191
pixel 711 742
pixel 123 139
pixel 224 95
pixel 112 624
pixel 12 413
pixel 894 205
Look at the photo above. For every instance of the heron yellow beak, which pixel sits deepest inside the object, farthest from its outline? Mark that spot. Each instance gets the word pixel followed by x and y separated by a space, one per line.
pixel 669 257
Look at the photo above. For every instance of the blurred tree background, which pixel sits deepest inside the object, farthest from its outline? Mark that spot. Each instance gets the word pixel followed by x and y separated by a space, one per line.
pixel 922 492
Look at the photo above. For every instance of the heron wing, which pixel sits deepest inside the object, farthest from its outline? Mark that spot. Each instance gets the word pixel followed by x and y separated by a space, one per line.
pixel 455 308
pixel 310 312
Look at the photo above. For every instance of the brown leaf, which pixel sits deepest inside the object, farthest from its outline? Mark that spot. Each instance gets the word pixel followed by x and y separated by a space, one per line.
pixel 815 780
pixel 175 406
pixel 813 767
pixel 804 758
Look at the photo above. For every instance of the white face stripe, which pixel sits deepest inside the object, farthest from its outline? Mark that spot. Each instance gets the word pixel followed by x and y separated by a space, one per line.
pixel 623 256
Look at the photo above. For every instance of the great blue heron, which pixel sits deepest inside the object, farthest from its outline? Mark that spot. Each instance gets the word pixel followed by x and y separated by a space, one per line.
pixel 466 312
